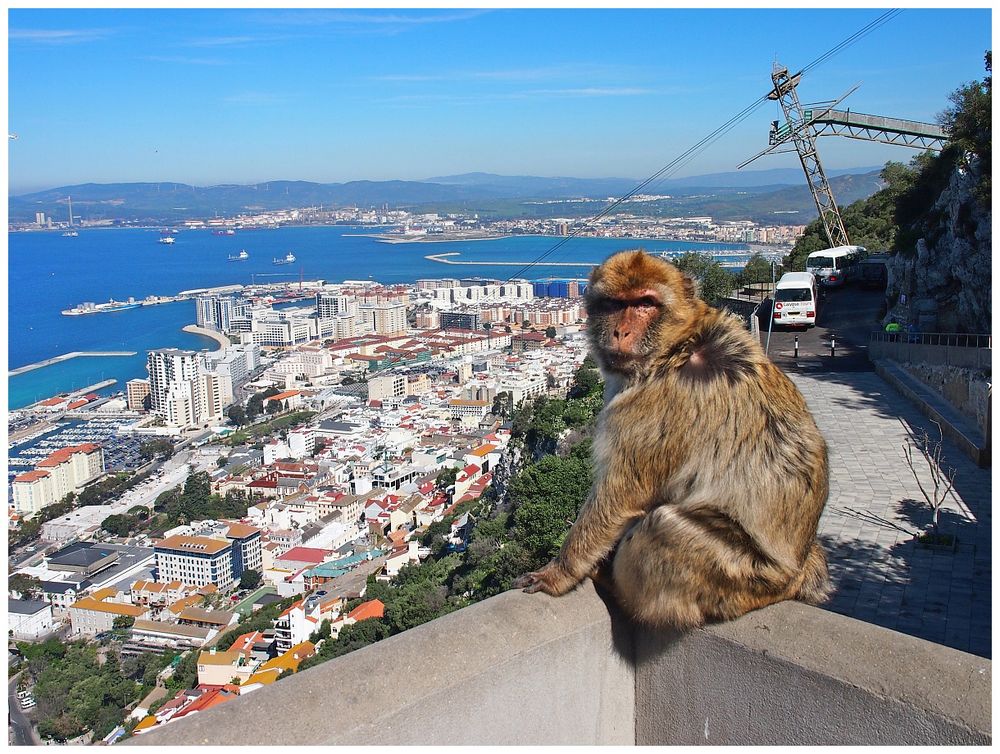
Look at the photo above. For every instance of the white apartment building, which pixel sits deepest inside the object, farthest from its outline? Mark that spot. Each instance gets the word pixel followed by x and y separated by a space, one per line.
pixel 522 387
pixel 389 387
pixel 468 410
pixel 195 560
pixel 385 319
pixel 330 305
pixel 174 389
pixel 217 312
pixel 64 471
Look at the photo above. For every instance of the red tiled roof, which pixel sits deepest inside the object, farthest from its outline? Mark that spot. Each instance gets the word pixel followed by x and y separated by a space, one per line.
pixel 31 476
pixel 366 610
pixel 64 454
pixel 305 554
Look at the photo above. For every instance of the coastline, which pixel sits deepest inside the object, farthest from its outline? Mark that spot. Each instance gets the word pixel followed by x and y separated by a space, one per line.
pixel 218 337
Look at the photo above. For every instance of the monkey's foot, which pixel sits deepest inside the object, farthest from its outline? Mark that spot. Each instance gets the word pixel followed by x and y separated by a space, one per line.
pixel 552 579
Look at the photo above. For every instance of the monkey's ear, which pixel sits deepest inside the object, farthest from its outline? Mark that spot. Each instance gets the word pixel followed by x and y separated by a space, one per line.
pixel 690 286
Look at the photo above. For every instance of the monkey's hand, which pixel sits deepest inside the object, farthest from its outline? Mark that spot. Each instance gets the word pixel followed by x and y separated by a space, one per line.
pixel 553 579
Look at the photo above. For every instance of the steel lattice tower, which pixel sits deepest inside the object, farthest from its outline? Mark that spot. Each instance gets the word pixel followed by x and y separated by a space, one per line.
pixel 805 144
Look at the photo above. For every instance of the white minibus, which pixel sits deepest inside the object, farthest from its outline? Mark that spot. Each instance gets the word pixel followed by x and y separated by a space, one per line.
pixel 836 266
pixel 795 300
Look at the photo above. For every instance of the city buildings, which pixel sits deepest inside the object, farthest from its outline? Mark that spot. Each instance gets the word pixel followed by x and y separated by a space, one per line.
pixel 196 560
pixel 64 471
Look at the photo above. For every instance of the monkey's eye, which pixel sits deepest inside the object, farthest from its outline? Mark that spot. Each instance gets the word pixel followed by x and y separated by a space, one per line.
pixel 609 305
pixel 646 302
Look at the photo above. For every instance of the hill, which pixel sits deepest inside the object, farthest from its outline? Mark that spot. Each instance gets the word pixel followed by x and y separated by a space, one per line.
pixel 756 195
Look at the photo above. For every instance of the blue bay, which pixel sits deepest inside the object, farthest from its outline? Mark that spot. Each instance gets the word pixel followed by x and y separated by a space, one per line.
pixel 49 273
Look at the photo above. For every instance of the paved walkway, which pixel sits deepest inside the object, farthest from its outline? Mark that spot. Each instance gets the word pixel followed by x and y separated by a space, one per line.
pixel 881 575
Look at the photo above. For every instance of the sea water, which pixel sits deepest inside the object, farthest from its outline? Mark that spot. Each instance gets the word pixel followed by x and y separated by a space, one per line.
pixel 49 272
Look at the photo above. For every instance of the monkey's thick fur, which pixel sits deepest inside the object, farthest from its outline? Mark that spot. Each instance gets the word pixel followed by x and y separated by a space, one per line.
pixel 710 473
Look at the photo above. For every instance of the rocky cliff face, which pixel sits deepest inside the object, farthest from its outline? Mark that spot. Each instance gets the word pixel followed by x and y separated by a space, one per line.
pixel 946 286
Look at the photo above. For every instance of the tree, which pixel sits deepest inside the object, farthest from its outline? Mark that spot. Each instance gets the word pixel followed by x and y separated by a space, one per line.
pixel 122 622
pixel 119 525
pixel 160 447
pixel 273 407
pixel 250 579
pixel 29 587
pixel 548 495
pixel 969 121
pixel 714 282
pixel 756 270
pixel 237 415
pixel 446 478
pixel 550 332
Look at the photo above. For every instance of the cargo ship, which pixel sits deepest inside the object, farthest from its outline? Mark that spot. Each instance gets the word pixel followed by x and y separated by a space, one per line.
pixel 288 259
pixel 167 239
pixel 110 306
pixel 239 257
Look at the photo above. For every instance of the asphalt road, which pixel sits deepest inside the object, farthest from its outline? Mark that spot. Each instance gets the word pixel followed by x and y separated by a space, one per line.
pixel 19 730
pixel 846 318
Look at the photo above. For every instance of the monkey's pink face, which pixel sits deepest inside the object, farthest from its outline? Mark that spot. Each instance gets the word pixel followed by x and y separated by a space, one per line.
pixel 623 325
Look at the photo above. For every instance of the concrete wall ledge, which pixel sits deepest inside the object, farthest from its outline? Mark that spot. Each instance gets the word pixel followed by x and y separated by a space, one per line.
pixel 954 426
pixel 533 670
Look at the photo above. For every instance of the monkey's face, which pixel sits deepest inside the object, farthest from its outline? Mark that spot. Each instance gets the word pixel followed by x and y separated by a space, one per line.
pixel 626 325
pixel 629 299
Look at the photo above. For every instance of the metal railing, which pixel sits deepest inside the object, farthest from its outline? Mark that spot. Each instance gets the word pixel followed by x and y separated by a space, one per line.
pixel 960 340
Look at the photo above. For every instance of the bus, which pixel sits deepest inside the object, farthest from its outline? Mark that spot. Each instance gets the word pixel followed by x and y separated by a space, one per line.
pixel 836 266
pixel 795 300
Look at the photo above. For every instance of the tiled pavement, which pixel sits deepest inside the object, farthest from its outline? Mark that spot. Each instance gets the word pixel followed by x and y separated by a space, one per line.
pixel 881 575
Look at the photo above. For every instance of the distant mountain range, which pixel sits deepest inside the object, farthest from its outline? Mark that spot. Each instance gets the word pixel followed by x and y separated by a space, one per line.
pixel 484 193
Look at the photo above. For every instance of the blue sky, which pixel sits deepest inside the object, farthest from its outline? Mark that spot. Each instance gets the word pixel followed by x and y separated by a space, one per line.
pixel 243 96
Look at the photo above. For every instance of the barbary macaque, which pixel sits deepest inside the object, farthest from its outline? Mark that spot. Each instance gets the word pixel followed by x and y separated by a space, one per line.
pixel 710 473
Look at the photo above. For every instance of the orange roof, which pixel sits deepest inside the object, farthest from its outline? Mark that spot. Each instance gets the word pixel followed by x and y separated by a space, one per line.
pixel 483 450
pixel 64 454
pixel 289 660
pixel 31 476
pixel 77 404
pixel 459 402
pixel 51 401
pixel 199 545
pixel 366 610
pixel 103 594
pixel 241 530
pixel 118 608
pixel 178 607
pixel 146 723
pixel 282 396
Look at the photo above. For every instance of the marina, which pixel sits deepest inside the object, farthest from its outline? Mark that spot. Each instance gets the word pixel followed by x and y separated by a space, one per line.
pixel 66 357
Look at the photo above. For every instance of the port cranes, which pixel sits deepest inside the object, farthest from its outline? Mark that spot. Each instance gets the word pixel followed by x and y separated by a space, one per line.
pixel 804 125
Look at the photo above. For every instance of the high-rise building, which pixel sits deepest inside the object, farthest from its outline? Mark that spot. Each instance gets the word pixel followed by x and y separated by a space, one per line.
pixel 136 392
pixel 469 320
pixel 385 319
pixel 217 312
pixel 329 305
pixel 185 390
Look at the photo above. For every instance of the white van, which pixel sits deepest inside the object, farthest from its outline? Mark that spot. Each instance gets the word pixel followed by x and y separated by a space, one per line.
pixel 795 299
pixel 836 266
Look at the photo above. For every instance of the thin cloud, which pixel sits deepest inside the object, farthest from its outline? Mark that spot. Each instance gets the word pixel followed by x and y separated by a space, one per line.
pixel 245 40
pixel 58 36
pixel 319 17
pixel 473 99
